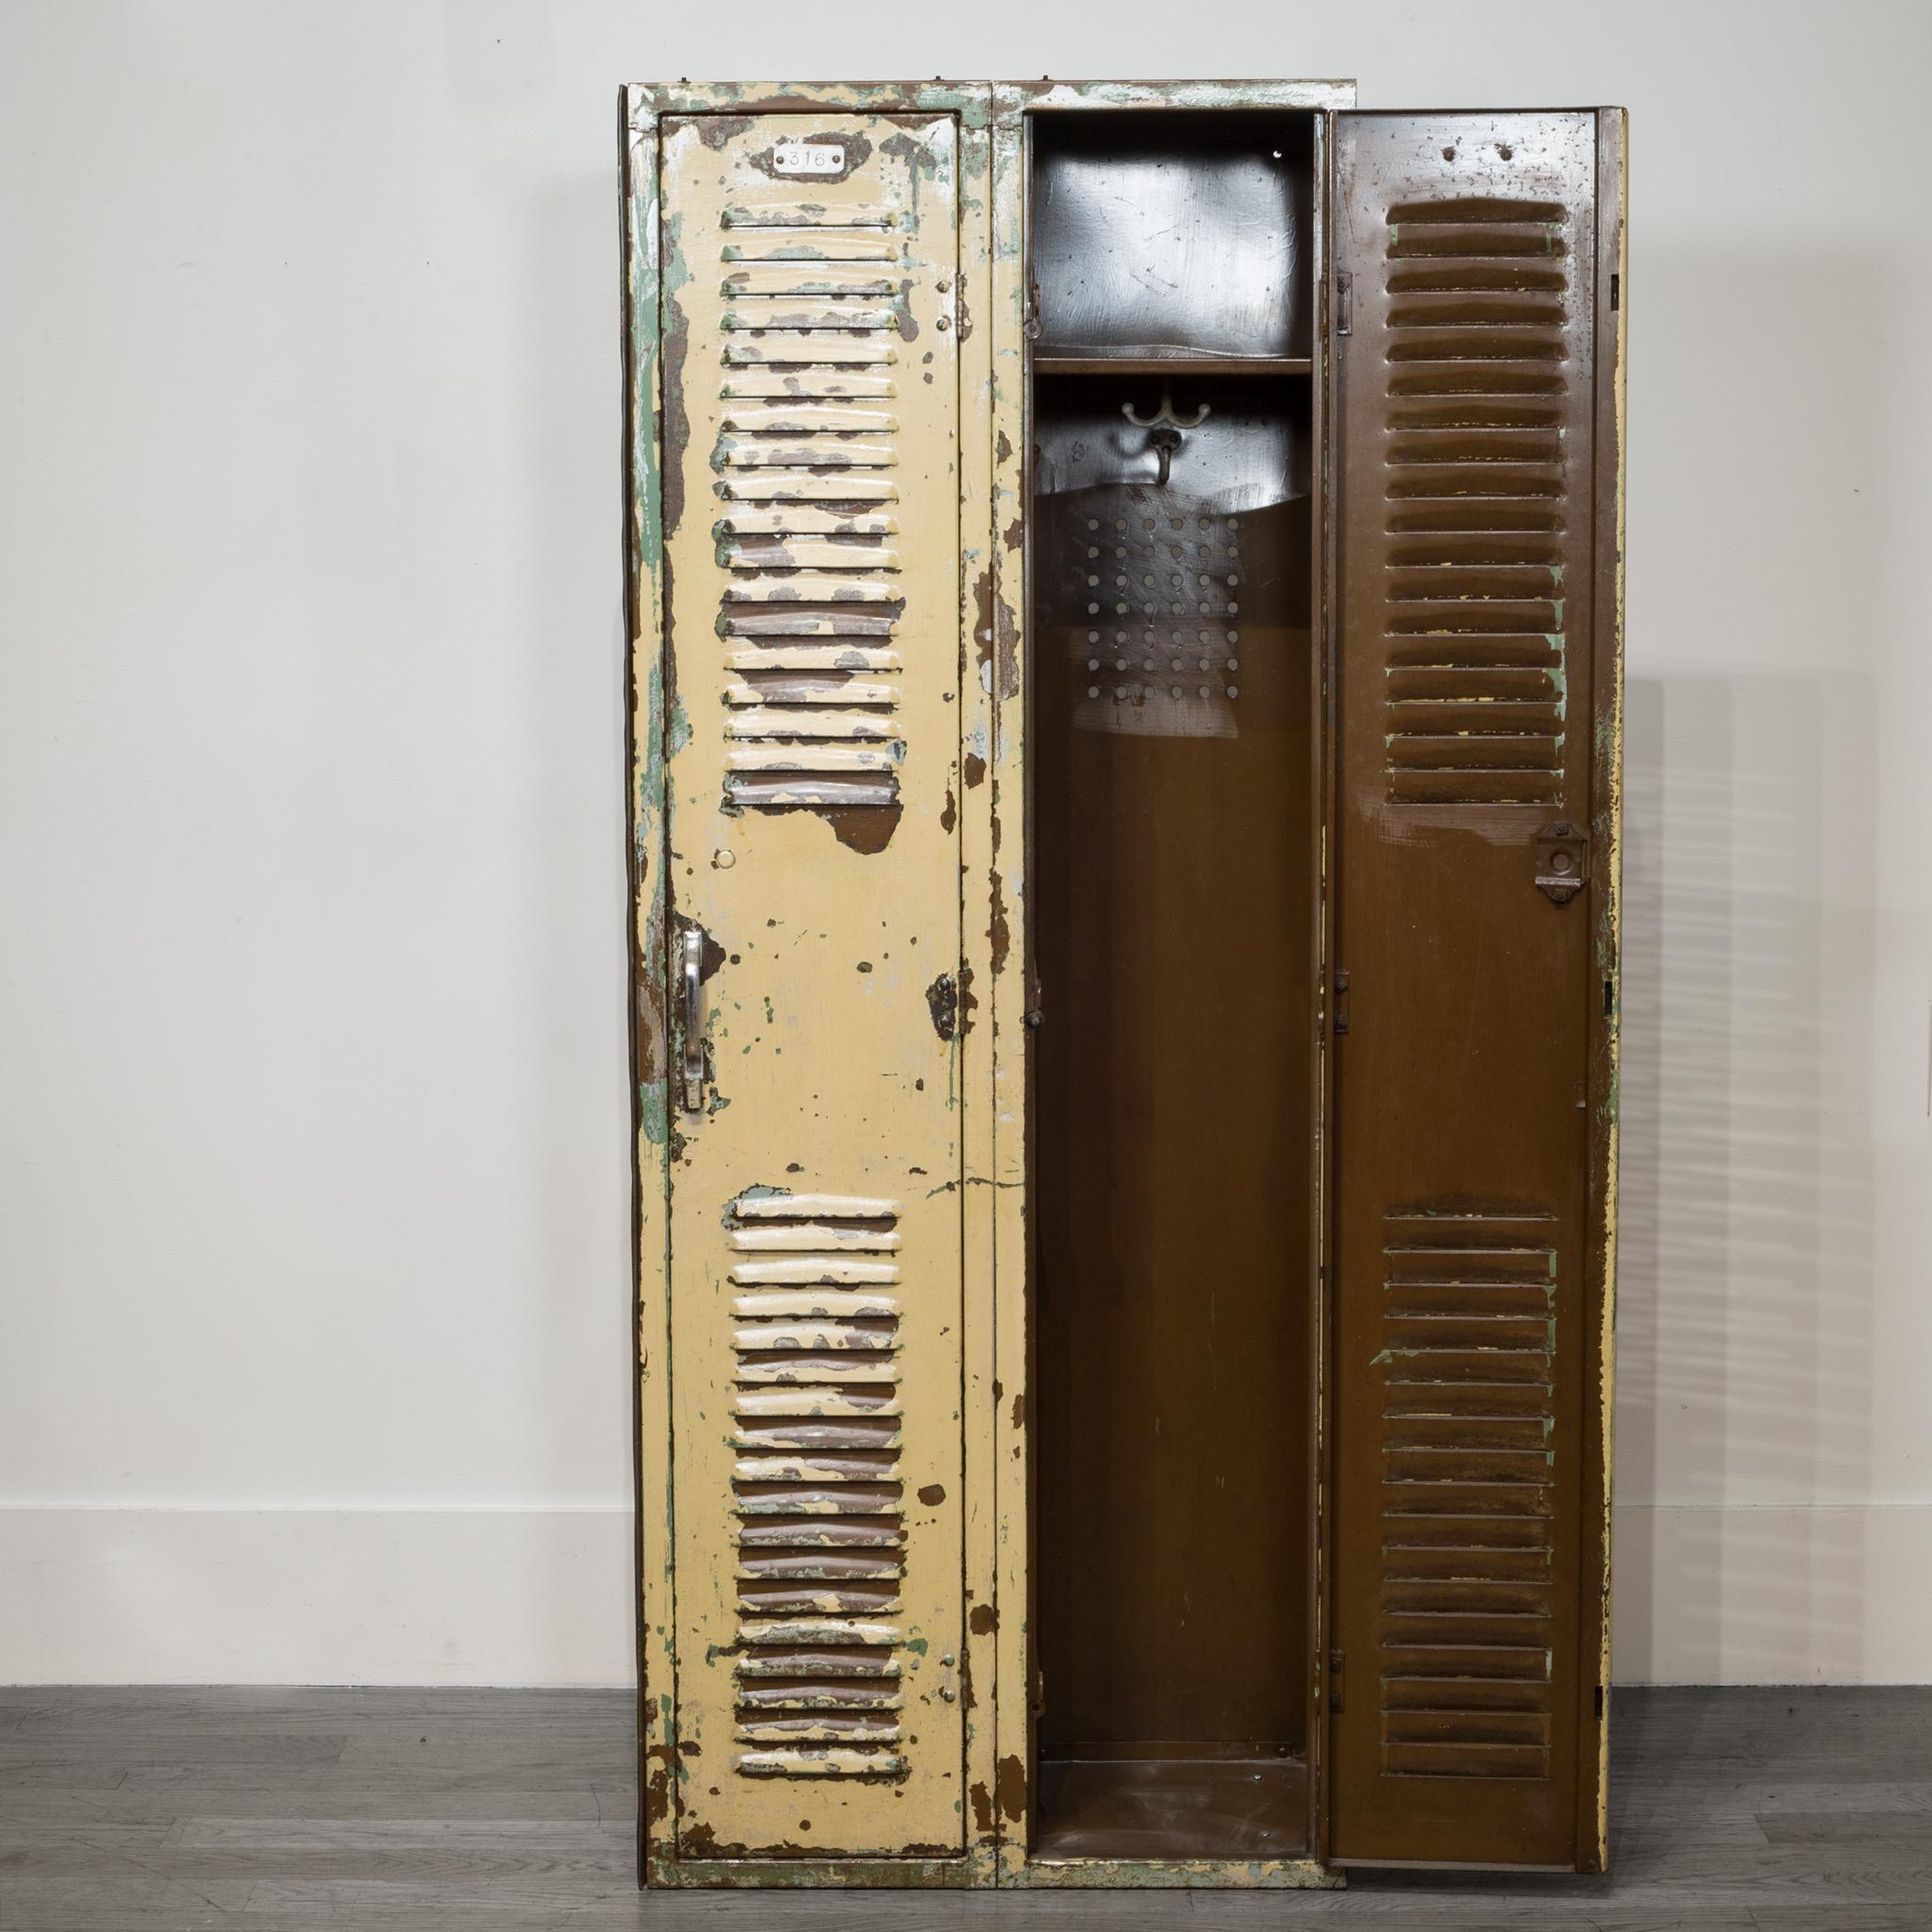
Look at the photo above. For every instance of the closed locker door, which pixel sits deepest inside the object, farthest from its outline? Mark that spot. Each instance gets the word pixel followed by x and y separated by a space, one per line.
pixel 810 722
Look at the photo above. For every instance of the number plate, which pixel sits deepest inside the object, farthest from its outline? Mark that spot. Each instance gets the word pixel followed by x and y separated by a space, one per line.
pixel 808 157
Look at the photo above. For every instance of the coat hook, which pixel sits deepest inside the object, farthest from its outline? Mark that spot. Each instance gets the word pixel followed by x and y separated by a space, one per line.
pixel 1165 413
pixel 1166 426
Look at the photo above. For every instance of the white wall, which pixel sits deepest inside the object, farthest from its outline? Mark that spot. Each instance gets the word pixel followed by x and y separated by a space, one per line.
pixel 313 1163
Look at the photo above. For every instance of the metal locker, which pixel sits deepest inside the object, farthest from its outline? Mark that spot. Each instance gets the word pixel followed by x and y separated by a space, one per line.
pixel 1124 590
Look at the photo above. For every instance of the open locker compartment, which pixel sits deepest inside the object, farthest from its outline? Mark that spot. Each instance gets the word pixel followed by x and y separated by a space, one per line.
pixel 1174 757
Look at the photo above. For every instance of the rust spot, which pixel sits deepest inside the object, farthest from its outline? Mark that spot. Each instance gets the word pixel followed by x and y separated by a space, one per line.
pixel 997 931
pixel 712 956
pixel 866 829
pixel 942 997
pixel 982 1810
pixel 1012 1787
pixel 658 1782
pixel 719 130
pixel 1003 447
pixel 975 770
pixel 982 621
pixel 933 1495
pixel 1016 534
pixel 950 817
pixel 650 997
pixel 1020 1410
pixel 698 1840
pixel 968 1002
pixel 984 1620
pixel 1008 634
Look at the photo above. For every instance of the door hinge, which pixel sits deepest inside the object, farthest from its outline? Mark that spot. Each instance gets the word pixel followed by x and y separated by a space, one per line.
pixel 1341 1003
pixel 1336 1660
pixel 1616 291
pixel 1039 1692
pixel 1344 303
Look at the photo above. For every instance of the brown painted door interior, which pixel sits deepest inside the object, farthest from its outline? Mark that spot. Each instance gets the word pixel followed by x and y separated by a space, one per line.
pixel 1465 407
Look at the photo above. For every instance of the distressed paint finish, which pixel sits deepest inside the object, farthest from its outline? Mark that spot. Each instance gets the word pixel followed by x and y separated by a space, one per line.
pixel 979 999
pixel 1466 1316
pixel 1166 1874
pixel 1285 95
pixel 997 893
pixel 971 992
pixel 816 1267
pixel 1606 831
pixel 649 1014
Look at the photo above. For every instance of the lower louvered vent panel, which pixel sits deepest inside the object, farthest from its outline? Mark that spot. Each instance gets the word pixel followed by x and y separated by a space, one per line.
pixel 816 1485
pixel 1467 1416
pixel 1476 496
pixel 808 468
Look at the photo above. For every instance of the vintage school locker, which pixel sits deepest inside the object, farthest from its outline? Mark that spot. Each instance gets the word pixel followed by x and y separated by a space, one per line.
pixel 1125 604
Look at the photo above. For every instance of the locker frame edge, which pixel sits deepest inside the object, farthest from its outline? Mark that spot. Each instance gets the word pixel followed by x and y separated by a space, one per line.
pixel 991 119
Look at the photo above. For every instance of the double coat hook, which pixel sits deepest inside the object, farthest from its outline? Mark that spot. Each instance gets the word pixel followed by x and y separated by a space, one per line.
pixel 1166 426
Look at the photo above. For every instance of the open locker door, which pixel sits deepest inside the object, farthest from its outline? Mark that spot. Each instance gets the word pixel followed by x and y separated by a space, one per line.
pixel 810 697
pixel 1475 445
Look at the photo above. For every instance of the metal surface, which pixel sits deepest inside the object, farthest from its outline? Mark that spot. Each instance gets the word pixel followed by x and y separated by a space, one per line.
pixel 1562 861
pixel 1467 1299
pixel 810 463
pixel 831 334
pixel 1172 233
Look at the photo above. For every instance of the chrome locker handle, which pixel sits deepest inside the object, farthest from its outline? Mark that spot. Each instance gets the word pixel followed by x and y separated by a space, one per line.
pixel 691 969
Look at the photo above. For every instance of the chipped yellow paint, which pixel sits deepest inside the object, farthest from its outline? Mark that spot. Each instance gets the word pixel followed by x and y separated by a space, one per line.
pixel 815 1196
pixel 997 894
pixel 979 212
pixel 644 599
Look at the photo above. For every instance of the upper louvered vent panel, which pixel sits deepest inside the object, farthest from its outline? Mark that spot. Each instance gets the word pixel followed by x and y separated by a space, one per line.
pixel 1478 322
pixel 808 461
pixel 817 1486
pixel 1465 1620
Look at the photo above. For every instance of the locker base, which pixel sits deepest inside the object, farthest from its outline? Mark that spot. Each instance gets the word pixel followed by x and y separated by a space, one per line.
pixel 1191 1808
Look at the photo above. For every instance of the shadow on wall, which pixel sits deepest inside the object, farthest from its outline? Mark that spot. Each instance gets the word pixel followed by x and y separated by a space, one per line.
pixel 1746 1248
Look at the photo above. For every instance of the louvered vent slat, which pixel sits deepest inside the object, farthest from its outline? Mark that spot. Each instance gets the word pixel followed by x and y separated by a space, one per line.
pixel 1475 473
pixel 815 297
pixel 817 1485
pixel 1467 1379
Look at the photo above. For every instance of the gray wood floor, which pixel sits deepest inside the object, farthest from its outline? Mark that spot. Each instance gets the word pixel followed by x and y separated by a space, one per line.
pixel 143 1811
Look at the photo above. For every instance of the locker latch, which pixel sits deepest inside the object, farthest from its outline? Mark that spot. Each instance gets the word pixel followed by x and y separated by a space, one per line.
pixel 1562 860
pixel 690 979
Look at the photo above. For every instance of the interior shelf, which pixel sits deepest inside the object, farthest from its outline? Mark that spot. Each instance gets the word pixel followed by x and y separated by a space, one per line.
pixel 1172 362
